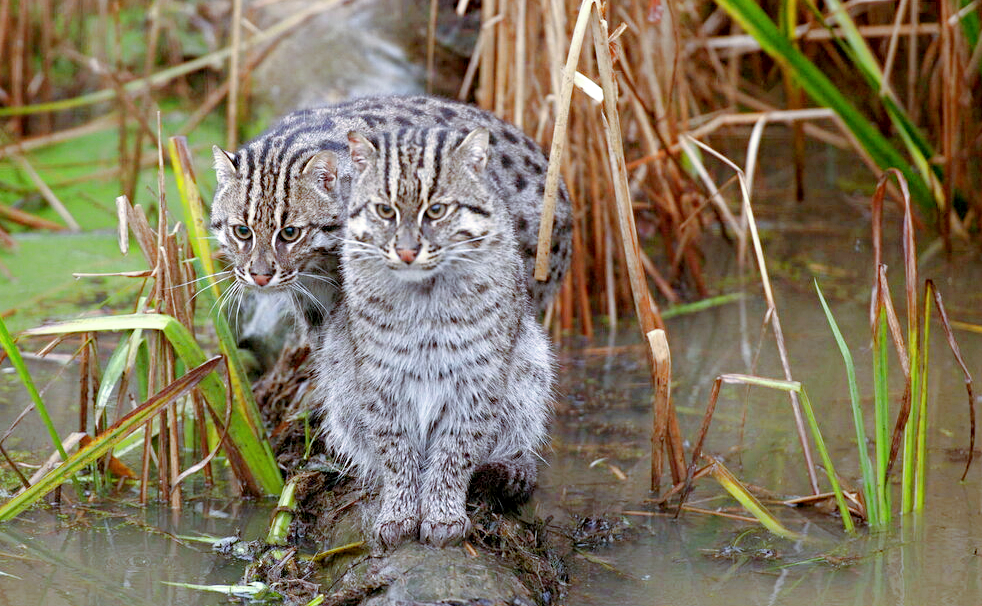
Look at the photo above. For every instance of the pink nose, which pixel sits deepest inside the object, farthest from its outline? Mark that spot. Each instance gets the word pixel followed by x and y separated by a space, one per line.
pixel 261 279
pixel 407 255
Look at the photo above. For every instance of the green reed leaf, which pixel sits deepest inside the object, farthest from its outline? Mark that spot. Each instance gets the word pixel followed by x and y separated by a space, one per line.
pixel 100 445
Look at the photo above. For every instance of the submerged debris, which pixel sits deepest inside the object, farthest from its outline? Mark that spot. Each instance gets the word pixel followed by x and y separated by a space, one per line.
pixel 596 531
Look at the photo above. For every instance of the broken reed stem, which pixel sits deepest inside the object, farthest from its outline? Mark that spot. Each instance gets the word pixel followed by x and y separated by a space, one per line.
pixel 644 305
pixel 559 144
pixel 662 381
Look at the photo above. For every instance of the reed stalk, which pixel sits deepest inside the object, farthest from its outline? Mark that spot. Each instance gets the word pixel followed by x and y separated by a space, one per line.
pixel 13 354
pixel 881 418
pixel 859 423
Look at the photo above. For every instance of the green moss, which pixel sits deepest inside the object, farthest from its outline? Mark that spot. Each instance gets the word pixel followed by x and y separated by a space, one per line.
pixel 41 287
pixel 36 282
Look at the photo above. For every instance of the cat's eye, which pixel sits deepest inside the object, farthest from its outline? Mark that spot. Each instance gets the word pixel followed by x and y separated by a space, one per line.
pixel 437 211
pixel 385 211
pixel 289 233
pixel 242 232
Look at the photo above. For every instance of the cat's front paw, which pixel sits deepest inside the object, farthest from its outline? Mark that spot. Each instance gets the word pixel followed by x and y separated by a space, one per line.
pixel 443 531
pixel 390 532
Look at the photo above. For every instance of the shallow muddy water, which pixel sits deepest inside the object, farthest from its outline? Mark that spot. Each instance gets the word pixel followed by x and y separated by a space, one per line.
pixel 114 554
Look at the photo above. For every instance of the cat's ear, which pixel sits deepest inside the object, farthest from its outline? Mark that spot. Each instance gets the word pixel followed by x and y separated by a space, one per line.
pixel 224 164
pixel 362 150
pixel 322 170
pixel 473 150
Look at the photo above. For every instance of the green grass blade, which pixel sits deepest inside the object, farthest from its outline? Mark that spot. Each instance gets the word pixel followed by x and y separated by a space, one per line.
pixel 865 465
pixel 827 462
pixel 245 427
pixel 254 591
pixel 781 384
pixel 194 213
pixel 112 374
pixel 91 453
pixel 752 18
pixel 13 354
pixel 881 414
pixel 749 502
pixel 908 475
pixel 194 218
pixel 920 405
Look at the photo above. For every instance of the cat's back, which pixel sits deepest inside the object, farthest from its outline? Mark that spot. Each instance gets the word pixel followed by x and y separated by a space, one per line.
pixel 517 166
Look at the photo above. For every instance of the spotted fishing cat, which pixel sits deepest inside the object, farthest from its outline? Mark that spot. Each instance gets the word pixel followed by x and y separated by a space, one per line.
pixel 280 200
pixel 434 374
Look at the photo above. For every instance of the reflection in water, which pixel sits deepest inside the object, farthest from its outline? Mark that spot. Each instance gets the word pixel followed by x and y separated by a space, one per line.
pixel 121 557
pixel 603 421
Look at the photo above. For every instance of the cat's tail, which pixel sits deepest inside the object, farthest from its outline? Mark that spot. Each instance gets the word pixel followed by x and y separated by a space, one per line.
pixel 504 483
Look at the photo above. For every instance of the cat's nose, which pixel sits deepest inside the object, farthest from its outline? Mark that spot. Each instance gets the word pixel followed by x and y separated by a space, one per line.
pixel 261 279
pixel 408 255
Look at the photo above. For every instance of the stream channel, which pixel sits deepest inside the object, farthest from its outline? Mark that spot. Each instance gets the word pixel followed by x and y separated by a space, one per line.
pixel 112 553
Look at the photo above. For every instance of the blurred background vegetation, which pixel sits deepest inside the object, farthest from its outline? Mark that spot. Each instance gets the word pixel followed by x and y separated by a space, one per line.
pixel 82 82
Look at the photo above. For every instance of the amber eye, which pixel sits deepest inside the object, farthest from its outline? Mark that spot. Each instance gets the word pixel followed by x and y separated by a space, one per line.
pixel 385 211
pixel 289 233
pixel 437 211
pixel 242 232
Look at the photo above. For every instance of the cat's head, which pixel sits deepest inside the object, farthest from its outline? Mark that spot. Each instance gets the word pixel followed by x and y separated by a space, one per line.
pixel 421 201
pixel 275 213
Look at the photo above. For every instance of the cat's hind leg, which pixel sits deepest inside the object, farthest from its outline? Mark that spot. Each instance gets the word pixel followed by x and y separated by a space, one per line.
pixel 504 483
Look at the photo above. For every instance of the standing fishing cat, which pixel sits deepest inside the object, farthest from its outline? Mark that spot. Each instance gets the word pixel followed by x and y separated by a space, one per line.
pixel 434 375
pixel 280 200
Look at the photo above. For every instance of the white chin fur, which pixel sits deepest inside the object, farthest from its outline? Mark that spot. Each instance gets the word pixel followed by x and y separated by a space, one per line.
pixel 410 273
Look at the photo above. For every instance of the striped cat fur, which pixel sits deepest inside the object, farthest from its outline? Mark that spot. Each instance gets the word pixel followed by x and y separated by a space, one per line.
pixel 434 375
pixel 280 200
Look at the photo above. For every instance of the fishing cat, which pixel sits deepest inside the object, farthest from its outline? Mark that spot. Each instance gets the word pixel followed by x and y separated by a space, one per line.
pixel 434 374
pixel 280 200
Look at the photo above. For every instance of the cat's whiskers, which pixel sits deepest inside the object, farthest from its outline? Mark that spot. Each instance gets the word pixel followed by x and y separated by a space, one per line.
pixel 239 296
pixel 303 290
pixel 224 298
pixel 470 241
pixel 222 274
pixel 321 278
pixel 218 278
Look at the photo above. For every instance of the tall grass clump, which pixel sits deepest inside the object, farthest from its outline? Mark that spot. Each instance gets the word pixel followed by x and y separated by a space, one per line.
pixel 188 409
pixel 908 436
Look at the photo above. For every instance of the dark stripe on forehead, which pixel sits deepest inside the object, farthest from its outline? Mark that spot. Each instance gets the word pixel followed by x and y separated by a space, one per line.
pixel 383 148
pixel 441 142
pixel 249 176
pixel 258 183
pixel 268 170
